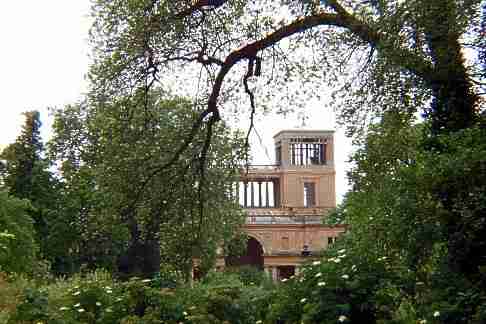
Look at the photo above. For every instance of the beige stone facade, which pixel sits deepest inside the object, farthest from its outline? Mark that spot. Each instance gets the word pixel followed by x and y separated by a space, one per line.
pixel 287 201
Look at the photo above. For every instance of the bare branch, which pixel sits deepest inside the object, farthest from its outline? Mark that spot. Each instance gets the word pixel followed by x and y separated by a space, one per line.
pixel 202 167
pixel 251 95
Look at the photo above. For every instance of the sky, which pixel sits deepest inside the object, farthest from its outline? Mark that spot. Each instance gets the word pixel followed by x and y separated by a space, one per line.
pixel 44 60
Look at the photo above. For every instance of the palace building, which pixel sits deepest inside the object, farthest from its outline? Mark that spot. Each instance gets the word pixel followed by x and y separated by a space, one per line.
pixel 286 203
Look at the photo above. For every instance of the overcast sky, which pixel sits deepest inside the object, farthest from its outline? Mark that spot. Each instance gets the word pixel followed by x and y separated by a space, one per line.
pixel 44 59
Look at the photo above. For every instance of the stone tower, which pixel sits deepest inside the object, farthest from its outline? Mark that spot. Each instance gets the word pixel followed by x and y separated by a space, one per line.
pixel 286 203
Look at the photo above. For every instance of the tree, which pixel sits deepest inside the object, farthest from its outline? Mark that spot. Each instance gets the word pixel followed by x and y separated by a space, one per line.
pixel 378 54
pixel 163 206
pixel 411 42
pixel 393 214
pixel 26 175
pixel 23 157
pixel 18 247
pixel 389 208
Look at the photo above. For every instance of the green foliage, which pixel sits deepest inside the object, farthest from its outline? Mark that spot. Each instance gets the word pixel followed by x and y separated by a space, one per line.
pixel 131 199
pixel 344 284
pixel 23 158
pixel 96 298
pixel 18 249
pixel 11 289
pixel 249 275
pixel 168 277
pixel 34 307
pixel 26 175
pixel 394 263
pixel 455 178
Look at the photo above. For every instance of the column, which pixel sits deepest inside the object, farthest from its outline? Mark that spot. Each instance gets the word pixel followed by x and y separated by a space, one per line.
pixel 274 274
pixel 245 193
pixel 259 194
pixel 266 195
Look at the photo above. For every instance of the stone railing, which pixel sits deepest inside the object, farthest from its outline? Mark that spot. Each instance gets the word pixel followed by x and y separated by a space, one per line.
pixel 287 215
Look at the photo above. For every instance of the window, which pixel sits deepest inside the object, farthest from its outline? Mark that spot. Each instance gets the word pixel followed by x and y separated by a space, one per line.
pixel 285 243
pixel 309 194
pixel 278 154
pixel 257 194
pixel 307 151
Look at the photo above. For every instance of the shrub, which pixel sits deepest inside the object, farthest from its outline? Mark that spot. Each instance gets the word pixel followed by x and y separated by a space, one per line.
pixel 11 292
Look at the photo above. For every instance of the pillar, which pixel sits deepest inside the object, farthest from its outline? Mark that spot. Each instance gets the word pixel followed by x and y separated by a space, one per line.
pixel 272 272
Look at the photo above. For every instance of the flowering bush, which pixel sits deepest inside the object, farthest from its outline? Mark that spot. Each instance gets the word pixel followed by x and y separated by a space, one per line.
pixel 341 287
pixel 345 286
pixel 97 298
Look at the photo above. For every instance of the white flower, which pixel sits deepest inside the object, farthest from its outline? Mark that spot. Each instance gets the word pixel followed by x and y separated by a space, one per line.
pixel 342 251
pixel 345 276
pixel 284 279
pixel 259 322
pixel 321 283
pixel 63 308
pixel 342 318
pixel 81 310
pixel 146 280
pixel 423 321
pixel 337 260
pixel 315 263
pixel 108 310
pixel 98 304
pixel 342 256
pixel 76 293
pixel 354 268
pixel 318 274
pixel 76 287
pixel 109 291
pixel 303 300
pixel 436 314
pixel 119 299
pixel 107 287
pixel 185 313
pixel 77 305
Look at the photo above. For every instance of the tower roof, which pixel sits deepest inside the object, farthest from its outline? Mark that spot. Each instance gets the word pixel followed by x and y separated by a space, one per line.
pixel 286 133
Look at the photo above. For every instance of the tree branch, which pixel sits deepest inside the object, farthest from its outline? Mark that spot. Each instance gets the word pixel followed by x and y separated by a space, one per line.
pixel 251 95
pixel 402 56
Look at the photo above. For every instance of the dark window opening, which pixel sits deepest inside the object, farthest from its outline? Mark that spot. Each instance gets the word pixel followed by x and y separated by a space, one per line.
pixel 285 272
pixel 309 194
pixel 278 155
pixel 307 151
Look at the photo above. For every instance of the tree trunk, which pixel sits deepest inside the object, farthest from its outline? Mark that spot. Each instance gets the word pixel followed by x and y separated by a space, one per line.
pixel 453 108
pixel 454 103
pixel 142 257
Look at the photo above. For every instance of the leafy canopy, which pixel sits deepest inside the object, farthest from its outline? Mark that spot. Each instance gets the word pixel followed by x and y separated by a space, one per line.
pixel 130 189
pixel 374 54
